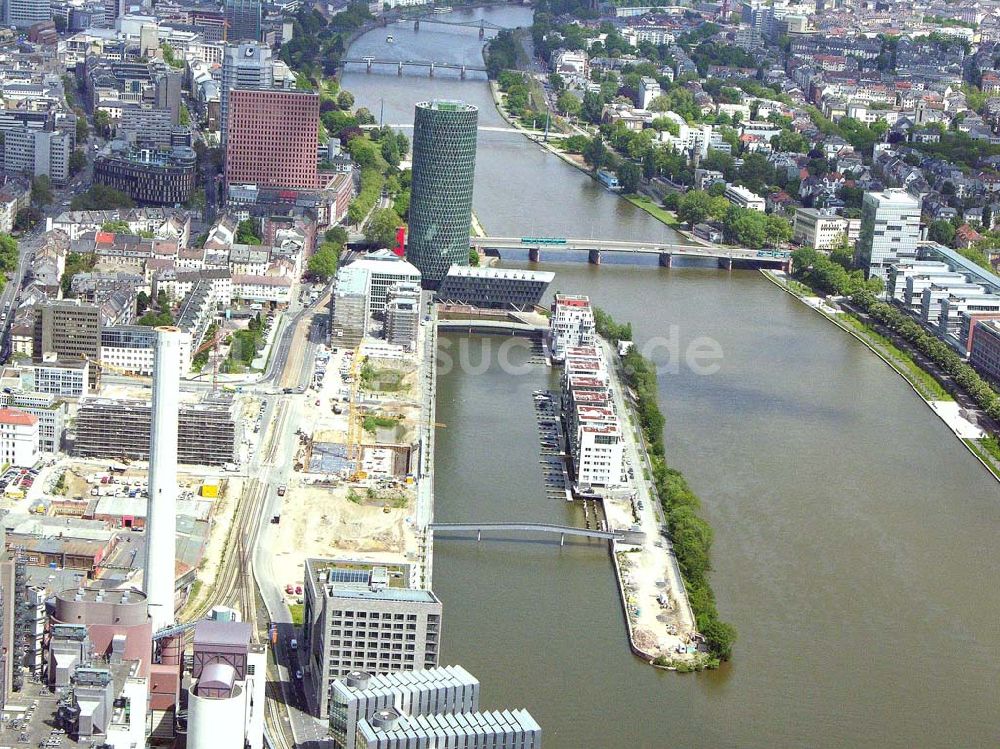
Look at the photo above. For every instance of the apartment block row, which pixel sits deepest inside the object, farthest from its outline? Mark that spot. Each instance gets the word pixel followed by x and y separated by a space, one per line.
pixel 594 434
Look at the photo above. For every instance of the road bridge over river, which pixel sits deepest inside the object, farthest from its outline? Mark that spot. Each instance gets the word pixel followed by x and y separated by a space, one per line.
pixel 726 257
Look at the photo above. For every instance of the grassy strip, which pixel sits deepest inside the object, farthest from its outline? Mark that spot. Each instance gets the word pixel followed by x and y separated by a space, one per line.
pixel 659 213
pixel 298 612
pixel 690 535
pixel 373 423
pixel 925 383
pixel 985 454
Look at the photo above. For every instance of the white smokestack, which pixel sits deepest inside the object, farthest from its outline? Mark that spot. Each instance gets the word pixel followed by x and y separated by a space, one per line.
pixel 161 512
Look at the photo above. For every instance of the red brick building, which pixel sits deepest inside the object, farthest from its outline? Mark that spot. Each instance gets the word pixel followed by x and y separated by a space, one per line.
pixel 272 139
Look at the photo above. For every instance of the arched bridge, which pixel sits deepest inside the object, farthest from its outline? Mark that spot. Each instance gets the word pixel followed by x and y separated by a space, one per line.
pixel 725 256
pixel 561 530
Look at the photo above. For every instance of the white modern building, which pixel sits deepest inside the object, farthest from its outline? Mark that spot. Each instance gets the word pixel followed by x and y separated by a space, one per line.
pixel 359 695
pixel 385 269
pixel 822 229
pixel 18 438
pixel 496 729
pixel 930 300
pixel 744 198
pixel 55 375
pixel 493 288
pixel 897 275
pixel 890 230
pixel 572 324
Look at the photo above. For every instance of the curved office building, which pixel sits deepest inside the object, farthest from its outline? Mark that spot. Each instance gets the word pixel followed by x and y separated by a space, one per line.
pixel 444 164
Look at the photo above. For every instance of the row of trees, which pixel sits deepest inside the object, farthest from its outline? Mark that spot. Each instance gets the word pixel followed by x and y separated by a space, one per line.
pixel 827 275
pixel 690 534
pixel 323 264
pixel 741 226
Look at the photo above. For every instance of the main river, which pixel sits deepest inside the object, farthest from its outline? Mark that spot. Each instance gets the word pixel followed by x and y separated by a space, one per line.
pixel 855 538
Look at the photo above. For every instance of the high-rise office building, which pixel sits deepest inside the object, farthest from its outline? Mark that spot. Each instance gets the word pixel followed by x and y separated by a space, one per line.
pixel 243 20
pixel 890 230
pixel 244 66
pixel 71 330
pixel 367 616
pixel 24 13
pixel 271 139
pixel 444 165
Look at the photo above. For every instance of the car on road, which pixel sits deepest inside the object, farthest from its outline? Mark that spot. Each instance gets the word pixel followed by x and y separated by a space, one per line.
pixel 298 673
pixel 281 490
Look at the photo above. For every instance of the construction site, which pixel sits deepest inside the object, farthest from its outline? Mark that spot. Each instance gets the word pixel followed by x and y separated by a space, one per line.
pixel 354 485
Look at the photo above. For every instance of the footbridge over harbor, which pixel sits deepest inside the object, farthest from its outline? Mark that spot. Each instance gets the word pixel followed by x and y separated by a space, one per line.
pixel 544 528
pixel 725 256
pixel 370 62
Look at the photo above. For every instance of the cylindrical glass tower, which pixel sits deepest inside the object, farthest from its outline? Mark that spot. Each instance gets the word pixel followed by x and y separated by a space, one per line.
pixel 444 164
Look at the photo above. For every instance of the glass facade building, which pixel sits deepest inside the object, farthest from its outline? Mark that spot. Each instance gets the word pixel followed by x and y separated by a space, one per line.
pixel 444 165
pixel 243 20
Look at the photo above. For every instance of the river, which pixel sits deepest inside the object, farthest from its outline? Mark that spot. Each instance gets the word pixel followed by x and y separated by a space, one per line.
pixel 855 538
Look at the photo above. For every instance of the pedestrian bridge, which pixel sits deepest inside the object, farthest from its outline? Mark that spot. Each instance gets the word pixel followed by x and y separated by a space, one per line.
pixel 666 252
pixel 560 530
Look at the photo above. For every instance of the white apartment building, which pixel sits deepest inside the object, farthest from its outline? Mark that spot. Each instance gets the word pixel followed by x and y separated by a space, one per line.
pixel 596 442
pixel 649 89
pixel 68 378
pixel 743 198
pixel 571 61
pixel 819 229
pixel 47 408
pixel 890 230
pixel 572 324
pixel 263 289
pixel 18 438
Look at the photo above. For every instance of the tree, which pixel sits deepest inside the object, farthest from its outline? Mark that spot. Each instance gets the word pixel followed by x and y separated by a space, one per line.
pixel 694 207
pixel 27 218
pixel 8 253
pixel 82 130
pixel 345 100
pixel 41 191
pixel 336 235
pixel 323 264
pixel 381 227
pixel 941 231
pixel 142 302
pixel 101 198
pixel 390 151
pixel 246 232
pixel 568 104
pixel 629 176
pixel 592 108
pixel 596 153
pixel 473 258
pixel 102 122
pixel 987 219
pixel 77 161
pixel 184 118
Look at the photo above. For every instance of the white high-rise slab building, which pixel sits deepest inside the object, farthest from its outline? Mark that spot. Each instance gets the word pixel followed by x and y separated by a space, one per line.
pixel 890 230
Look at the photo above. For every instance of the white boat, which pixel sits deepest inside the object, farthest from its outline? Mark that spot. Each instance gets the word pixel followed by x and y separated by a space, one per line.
pixel 389 39
pixel 443 9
